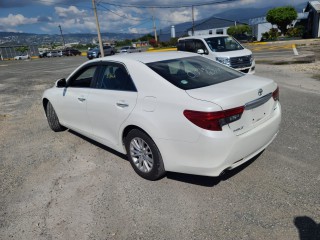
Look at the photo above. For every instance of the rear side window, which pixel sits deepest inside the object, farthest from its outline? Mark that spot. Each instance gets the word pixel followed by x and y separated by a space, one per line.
pixel 181 45
pixel 114 76
pixel 193 72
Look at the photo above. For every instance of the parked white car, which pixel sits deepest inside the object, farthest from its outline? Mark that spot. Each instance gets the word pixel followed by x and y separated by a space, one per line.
pixel 21 57
pixel 129 49
pixel 222 48
pixel 169 111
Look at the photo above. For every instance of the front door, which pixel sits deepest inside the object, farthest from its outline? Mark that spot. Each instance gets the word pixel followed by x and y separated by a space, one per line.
pixel 75 98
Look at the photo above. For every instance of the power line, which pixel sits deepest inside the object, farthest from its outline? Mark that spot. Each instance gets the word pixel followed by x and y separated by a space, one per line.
pixel 169 6
pixel 107 9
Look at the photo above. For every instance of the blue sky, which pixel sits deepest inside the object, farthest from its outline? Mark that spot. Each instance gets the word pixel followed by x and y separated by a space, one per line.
pixel 76 16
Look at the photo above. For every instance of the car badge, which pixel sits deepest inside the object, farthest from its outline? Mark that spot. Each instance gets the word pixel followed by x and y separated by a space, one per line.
pixel 260 91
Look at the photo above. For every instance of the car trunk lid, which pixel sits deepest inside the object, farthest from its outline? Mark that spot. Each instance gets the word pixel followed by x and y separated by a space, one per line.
pixel 252 92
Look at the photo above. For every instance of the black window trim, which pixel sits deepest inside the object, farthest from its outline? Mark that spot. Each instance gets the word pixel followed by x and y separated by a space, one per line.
pixel 80 71
pixel 100 72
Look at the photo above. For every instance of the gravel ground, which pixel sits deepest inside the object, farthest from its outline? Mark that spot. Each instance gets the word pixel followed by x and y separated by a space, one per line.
pixel 64 186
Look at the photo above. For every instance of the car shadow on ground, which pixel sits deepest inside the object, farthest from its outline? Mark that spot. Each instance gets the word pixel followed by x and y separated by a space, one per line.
pixel 187 178
pixel 209 181
pixel 120 155
pixel 307 227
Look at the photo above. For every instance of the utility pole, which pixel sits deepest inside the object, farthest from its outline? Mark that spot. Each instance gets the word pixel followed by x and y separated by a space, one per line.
pixel 192 20
pixel 98 28
pixel 64 44
pixel 154 26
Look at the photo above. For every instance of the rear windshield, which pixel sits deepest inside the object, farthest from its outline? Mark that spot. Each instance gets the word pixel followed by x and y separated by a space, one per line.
pixel 223 44
pixel 193 72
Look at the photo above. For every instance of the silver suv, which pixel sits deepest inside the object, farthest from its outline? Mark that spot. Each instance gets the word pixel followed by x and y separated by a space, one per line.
pixel 95 52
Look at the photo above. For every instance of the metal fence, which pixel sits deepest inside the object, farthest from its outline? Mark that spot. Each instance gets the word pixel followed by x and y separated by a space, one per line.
pixel 9 52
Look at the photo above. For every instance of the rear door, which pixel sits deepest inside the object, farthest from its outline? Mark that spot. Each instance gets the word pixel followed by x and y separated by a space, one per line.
pixel 111 101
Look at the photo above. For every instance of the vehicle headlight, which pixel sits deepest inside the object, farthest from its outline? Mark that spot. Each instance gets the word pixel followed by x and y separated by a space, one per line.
pixel 94 53
pixel 251 58
pixel 223 60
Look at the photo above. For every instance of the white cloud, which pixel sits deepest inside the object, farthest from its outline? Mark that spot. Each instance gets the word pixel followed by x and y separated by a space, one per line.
pixel 69 12
pixel 17 20
pixel 139 30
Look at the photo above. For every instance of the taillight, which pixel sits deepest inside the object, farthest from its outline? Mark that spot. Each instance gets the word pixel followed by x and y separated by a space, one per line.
pixel 213 121
pixel 275 94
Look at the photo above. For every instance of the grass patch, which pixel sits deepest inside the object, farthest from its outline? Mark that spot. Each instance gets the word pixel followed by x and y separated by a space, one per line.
pixel 316 76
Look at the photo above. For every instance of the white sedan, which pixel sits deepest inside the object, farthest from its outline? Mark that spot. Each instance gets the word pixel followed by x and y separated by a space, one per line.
pixel 22 57
pixel 171 111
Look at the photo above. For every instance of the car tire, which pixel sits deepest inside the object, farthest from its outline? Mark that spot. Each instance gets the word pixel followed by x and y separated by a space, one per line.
pixel 144 155
pixel 53 119
pixel 112 53
pixel 99 55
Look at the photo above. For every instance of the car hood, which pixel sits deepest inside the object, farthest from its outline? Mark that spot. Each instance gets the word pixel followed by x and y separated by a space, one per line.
pixel 237 53
pixel 93 50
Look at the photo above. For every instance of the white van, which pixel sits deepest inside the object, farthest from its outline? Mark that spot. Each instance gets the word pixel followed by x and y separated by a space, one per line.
pixel 222 48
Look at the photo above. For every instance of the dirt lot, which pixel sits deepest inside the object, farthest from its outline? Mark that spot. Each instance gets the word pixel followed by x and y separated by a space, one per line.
pixel 64 186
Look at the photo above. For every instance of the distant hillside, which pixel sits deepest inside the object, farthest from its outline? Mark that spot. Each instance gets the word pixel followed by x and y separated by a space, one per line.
pixel 9 38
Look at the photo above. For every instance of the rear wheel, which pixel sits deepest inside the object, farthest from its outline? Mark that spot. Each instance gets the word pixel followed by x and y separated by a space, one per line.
pixel 144 155
pixel 53 119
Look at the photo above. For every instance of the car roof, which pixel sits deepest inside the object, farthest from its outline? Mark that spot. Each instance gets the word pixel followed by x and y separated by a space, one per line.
pixel 147 57
pixel 204 36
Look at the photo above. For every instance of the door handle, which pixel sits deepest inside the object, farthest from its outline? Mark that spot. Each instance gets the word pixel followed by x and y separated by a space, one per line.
pixel 81 99
pixel 122 104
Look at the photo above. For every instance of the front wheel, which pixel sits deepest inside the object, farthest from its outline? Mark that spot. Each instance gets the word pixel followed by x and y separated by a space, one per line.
pixel 53 119
pixel 144 155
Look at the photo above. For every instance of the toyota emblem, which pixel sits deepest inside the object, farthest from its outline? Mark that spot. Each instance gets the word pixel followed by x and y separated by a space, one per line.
pixel 260 92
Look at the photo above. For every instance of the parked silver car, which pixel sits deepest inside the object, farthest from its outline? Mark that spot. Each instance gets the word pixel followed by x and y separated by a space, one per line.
pixel 129 49
pixel 53 54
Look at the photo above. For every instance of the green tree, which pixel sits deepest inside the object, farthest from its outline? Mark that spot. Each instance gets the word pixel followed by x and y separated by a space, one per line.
pixel 239 29
pixel 282 17
pixel 22 49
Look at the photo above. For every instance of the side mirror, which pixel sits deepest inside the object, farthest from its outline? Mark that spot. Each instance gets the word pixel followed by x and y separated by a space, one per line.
pixel 200 51
pixel 61 83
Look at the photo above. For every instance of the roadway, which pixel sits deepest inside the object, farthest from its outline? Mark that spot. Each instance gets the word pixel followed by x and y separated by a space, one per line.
pixel 264 51
pixel 64 186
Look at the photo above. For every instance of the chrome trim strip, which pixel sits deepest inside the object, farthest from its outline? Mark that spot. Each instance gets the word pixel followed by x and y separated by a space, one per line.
pixel 258 102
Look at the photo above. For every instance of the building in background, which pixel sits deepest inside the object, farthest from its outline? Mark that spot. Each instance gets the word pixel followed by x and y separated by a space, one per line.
pixel 313 25
pixel 260 25
pixel 213 25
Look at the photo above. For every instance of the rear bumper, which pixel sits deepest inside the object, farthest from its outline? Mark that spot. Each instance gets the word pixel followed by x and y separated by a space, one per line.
pixel 214 152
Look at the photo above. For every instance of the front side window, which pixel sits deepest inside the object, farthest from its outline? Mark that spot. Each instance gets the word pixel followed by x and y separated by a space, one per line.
pixel 193 72
pixel 115 77
pixel 223 44
pixel 200 45
pixel 83 78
